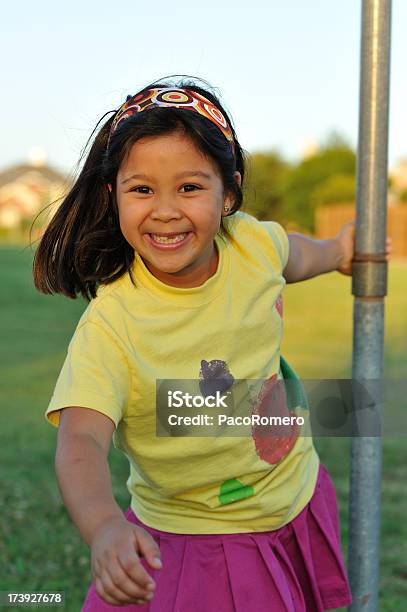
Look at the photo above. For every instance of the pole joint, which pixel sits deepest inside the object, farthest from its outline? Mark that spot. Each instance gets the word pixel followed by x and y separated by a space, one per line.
pixel 369 275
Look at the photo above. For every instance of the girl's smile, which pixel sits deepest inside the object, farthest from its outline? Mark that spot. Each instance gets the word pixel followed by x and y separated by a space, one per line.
pixel 170 199
pixel 169 242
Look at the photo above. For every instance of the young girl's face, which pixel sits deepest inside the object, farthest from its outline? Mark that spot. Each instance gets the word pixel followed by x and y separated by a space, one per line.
pixel 167 186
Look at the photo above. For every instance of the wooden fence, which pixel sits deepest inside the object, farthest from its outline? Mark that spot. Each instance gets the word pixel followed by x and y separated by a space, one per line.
pixel 329 220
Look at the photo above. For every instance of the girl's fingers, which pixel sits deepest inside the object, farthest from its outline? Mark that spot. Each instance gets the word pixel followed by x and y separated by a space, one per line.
pixel 121 590
pixel 113 590
pixel 132 587
pixel 149 547
pixel 132 568
pixel 101 591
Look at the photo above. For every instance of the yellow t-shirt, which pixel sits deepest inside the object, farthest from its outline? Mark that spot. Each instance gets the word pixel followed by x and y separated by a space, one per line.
pixel 128 337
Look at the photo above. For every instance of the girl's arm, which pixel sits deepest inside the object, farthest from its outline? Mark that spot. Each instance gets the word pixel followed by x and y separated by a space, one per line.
pixel 82 468
pixel 309 257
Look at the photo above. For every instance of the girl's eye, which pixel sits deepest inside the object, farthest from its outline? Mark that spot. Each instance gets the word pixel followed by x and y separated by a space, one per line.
pixel 194 187
pixel 141 187
pixel 145 187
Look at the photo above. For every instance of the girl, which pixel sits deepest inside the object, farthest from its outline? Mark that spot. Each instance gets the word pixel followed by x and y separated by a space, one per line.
pixel 183 286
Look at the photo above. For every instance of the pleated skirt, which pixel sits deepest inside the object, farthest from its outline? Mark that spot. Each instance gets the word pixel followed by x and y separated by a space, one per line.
pixel 297 568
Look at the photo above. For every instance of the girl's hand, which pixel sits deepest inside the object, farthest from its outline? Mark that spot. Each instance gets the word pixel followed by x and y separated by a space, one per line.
pixel 118 574
pixel 346 240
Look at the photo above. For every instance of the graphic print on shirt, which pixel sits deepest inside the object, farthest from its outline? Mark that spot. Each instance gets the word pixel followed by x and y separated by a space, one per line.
pixel 279 305
pixel 232 490
pixel 274 447
pixel 215 376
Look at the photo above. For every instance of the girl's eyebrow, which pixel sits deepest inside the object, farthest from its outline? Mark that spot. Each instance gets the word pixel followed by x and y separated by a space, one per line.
pixel 182 174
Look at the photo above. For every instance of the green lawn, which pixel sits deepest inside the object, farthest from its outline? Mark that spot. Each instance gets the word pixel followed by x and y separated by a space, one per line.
pixel 40 548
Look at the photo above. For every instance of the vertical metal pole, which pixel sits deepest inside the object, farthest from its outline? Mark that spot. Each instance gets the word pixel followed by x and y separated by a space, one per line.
pixel 369 286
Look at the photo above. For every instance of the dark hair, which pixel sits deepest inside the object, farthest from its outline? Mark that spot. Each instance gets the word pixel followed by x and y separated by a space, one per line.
pixel 83 245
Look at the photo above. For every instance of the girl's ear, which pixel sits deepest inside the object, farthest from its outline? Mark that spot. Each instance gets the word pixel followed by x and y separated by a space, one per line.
pixel 227 206
pixel 109 187
pixel 229 201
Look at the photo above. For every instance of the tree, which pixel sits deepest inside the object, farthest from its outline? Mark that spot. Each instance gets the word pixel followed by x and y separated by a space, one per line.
pixel 336 189
pixel 335 157
pixel 267 177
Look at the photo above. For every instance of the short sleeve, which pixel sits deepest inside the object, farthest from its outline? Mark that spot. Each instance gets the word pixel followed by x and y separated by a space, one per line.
pixel 280 239
pixel 95 375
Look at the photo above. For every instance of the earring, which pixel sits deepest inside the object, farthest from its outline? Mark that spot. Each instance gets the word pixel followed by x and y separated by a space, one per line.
pixel 226 209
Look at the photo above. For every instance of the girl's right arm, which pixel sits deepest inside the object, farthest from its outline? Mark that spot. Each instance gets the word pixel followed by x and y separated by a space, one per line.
pixel 82 469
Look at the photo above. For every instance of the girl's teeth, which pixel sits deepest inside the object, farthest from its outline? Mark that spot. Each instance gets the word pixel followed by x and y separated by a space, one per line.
pixel 167 239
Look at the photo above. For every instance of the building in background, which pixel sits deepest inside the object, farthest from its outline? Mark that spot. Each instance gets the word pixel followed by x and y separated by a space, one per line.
pixel 25 189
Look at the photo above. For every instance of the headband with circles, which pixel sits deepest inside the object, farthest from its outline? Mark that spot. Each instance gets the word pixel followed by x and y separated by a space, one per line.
pixel 169 97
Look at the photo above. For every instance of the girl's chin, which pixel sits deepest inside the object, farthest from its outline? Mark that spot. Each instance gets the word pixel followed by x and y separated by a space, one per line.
pixel 162 270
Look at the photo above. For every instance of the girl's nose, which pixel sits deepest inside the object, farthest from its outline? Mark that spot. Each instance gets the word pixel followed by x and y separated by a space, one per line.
pixel 165 210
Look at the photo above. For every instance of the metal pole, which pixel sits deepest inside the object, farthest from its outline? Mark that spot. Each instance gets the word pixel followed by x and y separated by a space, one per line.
pixel 369 286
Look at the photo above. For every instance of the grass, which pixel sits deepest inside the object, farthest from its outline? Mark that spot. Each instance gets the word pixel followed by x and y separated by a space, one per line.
pixel 40 549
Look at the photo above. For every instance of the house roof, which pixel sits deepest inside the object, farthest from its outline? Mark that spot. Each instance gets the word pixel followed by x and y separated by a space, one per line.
pixel 14 173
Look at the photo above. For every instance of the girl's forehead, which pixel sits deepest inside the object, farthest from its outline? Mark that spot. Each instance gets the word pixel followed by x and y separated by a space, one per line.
pixel 172 151
pixel 177 142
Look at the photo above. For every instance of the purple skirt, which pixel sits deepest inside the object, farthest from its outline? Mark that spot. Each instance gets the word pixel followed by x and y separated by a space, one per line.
pixel 297 568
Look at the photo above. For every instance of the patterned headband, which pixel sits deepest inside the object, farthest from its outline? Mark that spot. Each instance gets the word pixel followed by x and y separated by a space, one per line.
pixel 169 97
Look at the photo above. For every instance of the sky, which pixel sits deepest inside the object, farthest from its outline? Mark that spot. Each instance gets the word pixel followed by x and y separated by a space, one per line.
pixel 287 71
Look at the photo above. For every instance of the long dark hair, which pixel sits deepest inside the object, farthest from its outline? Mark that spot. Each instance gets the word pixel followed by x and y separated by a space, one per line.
pixel 83 245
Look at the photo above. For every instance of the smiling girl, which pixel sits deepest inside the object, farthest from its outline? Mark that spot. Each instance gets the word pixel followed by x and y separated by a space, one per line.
pixel 182 284
pixel 175 239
